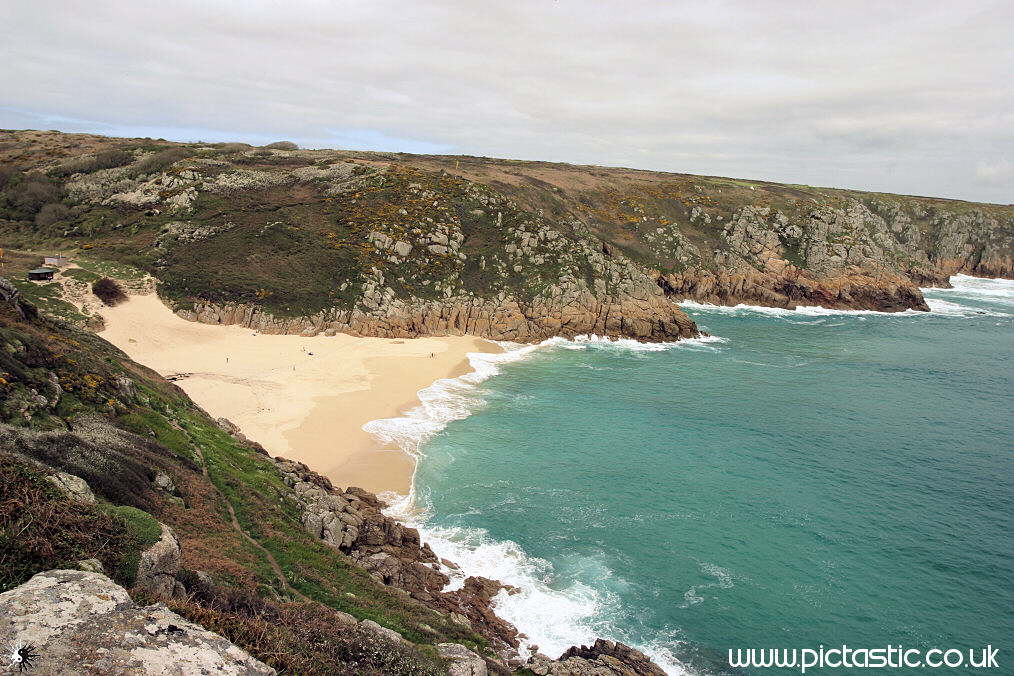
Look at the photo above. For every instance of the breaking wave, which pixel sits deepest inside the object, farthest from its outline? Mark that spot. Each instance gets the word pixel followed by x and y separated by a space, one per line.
pixel 553 617
pixel 942 302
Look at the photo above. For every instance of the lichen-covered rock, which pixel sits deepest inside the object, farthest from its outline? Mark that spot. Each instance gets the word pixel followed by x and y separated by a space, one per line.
pixel 83 623
pixel 176 232
pixel 463 662
pixel 156 572
pixel 383 632
pixel 164 482
pixel 91 566
pixel 74 487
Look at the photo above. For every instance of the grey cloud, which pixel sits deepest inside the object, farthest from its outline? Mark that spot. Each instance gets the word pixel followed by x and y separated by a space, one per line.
pixel 909 97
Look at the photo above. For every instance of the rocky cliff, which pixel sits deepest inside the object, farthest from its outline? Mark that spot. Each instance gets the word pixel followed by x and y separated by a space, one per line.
pixel 402 245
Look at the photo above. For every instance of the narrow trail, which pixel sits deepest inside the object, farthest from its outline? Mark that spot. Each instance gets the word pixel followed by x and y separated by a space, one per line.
pixel 279 573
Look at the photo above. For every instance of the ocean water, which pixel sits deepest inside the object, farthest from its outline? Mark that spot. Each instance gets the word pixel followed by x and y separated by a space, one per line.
pixel 804 478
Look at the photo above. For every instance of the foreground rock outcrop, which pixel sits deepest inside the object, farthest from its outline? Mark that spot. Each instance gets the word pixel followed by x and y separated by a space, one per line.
pixel 352 521
pixel 83 623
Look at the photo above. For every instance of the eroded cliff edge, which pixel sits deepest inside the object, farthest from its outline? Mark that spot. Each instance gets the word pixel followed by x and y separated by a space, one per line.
pixel 400 245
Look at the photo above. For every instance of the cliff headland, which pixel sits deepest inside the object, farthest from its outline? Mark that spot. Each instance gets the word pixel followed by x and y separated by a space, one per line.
pixel 396 245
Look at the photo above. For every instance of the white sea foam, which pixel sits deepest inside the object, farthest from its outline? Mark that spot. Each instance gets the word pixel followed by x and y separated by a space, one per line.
pixel 993 289
pixel 723 580
pixel 554 617
pixel 581 342
pixel 938 306
pixel 964 287
pixel 975 289
pixel 801 310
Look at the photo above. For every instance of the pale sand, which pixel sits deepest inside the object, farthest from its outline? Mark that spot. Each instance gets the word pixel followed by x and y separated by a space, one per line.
pixel 306 407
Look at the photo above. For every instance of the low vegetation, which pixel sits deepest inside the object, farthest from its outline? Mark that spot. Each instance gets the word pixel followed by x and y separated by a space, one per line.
pixel 159 160
pixel 298 638
pixel 106 159
pixel 41 529
pixel 109 291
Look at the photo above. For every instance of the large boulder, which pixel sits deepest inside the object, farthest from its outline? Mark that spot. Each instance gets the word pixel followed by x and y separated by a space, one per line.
pixel 83 623
pixel 156 571
pixel 461 660
pixel 74 487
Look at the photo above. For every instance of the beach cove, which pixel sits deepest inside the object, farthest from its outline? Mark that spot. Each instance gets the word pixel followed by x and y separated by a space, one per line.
pixel 304 398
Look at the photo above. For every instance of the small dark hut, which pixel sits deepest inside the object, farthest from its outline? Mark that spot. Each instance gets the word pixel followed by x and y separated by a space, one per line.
pixel 40 274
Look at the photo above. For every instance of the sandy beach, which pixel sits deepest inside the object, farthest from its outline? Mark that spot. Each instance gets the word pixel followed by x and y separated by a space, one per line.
pixel 303 398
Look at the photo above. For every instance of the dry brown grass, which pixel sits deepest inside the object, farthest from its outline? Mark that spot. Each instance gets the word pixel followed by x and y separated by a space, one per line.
pixel 302 638
pixel 40 529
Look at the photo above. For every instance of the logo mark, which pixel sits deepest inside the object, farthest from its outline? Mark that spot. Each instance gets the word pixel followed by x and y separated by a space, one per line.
pixel 22 655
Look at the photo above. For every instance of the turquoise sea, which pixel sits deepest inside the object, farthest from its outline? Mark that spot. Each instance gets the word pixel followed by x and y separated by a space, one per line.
pixel 804 478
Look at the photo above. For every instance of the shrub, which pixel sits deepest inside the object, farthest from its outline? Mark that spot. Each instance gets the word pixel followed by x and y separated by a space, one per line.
pixel 7 173
pixel 109 292
pixel 107 159
pixel 282 145
pixel 232 148
pixel 32 192
pixel 160 160
pixel 51 213
pixel 142 530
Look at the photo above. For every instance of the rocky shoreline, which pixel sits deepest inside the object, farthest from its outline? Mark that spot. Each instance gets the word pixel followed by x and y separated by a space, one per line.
pixel 851 292
pixel 83 617
pixel 641 312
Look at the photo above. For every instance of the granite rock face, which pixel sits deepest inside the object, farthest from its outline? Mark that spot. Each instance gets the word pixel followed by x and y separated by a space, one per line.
pixel 852 254
pixel 83 623
pixel 640 311
pixel 351 521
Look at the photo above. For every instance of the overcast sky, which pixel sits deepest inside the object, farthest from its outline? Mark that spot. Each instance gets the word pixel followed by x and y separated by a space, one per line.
pixel 911 97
